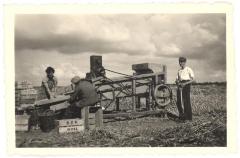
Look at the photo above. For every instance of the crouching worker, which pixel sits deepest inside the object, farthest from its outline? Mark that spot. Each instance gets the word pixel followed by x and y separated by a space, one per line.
pixel 84 95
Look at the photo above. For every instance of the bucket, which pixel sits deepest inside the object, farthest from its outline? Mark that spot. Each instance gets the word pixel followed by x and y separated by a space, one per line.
pixel 46 120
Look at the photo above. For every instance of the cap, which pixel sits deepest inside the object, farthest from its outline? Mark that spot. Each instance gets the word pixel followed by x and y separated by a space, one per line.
pixel 75 79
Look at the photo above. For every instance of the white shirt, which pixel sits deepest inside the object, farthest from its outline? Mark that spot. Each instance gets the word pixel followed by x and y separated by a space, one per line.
pixel 185 74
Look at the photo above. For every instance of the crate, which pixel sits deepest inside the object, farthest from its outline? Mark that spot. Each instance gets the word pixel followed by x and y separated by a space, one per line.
pixel 28 92
pixel 148 68
pixel 27 101
pixel 70 122
pixel 93 117
pixel 70 125
pixel 22 123
pixel 71 129
pixel 23 85
pixel 25 96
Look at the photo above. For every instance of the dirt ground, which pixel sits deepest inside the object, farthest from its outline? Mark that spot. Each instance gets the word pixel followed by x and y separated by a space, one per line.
pixel 208 128
pixel 148 131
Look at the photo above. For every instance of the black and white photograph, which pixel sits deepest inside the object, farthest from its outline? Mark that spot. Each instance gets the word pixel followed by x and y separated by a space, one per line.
pixel 120 80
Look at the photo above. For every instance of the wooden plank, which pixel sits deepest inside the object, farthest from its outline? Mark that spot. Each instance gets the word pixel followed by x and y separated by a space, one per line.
pixel 58 99
pixel 91 127
pixel 127 79
pixel 165 72
pixel 22 119
pixel 21 128
pixel 26 97
pixel 138 102
pixel 133 93
pixel 70 122
pixel 28 91
pixel 117 104
pixel 84 115
pixel 122 88
pixel 25 106
pixel 23 86
pixel 60 106
pixel 99 118
pixel 132 114
pixel 92 121
pixel 71 129
pixel 27 101
pixel 91 115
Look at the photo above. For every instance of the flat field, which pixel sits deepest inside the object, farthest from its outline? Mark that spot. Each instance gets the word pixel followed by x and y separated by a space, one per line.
pixel 208 127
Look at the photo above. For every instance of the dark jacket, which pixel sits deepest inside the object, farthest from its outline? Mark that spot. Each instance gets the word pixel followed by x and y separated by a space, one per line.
pixel 84 94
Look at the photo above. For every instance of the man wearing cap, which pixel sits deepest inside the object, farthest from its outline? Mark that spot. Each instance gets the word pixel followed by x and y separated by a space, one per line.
pixel 185 77
pixel 84 95
pixel 49 83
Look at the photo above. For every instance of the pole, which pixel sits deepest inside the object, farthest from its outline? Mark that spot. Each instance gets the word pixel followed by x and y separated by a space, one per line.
pixel 134 94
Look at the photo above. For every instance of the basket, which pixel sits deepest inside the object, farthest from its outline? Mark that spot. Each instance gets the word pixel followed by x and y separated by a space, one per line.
pixel 47 120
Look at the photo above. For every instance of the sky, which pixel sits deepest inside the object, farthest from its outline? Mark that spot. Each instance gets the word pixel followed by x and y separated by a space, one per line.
pixel 67 41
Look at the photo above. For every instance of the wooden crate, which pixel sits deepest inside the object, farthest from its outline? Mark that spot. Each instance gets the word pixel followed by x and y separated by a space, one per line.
pixel 28 91
pixel 91 127
pixel 70 125
pixel 94 119
pixel 30 96
pixel 70 129
pixel 70 122
pixel 22 128
pixel 22 122
pixel 23 85
pixel 27 101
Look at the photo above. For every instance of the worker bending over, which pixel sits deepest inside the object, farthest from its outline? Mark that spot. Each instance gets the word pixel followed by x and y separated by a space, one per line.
pixel 84 95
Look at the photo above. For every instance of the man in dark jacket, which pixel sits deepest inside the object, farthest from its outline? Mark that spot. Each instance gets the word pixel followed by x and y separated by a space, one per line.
pixel 84 95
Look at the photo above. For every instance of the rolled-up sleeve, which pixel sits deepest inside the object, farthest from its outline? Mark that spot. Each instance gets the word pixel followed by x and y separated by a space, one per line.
pixel 177 77
pixel 44 82
pixel 191 73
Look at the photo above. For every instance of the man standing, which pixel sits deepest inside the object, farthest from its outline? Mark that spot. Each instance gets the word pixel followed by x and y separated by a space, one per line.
pixel 84 95
pixel 49 83
pixel 184 79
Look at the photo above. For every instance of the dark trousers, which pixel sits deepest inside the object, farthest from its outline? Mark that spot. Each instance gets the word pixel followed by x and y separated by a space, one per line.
pixel 72 112
pixel 185 110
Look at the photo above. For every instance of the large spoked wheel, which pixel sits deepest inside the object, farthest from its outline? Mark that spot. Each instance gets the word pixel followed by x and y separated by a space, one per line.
pixel 162 95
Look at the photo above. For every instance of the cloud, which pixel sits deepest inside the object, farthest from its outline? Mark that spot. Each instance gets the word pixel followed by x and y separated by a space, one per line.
pixel 122 40
pixel 77 34
pixel 171 34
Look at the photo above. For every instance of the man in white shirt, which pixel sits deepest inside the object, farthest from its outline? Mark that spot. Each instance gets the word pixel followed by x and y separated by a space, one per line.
pixel 184 79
